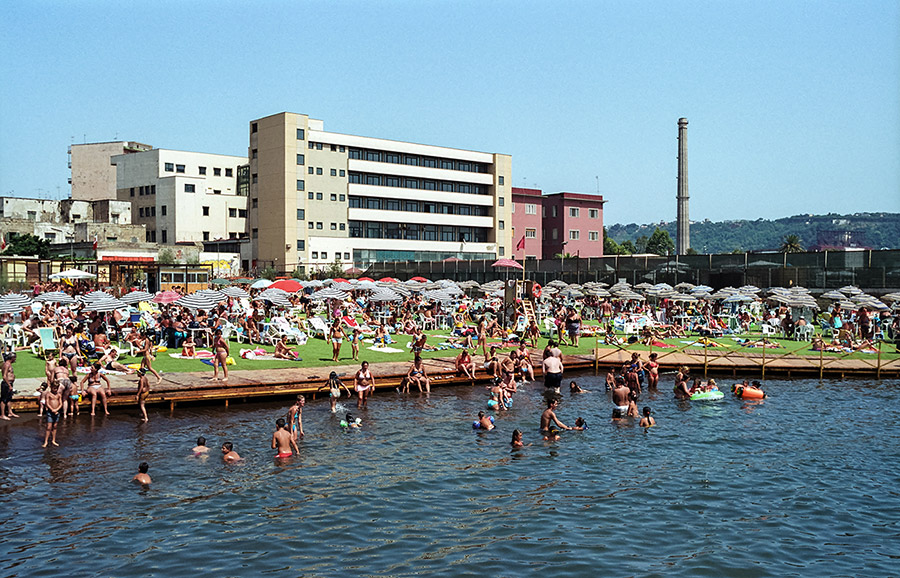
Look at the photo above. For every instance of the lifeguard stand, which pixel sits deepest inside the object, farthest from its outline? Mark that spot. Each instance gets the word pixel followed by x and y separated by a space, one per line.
pixel 526 291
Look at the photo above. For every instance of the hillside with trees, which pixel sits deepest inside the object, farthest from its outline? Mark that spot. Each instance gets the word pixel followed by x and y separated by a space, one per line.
pixel 872 230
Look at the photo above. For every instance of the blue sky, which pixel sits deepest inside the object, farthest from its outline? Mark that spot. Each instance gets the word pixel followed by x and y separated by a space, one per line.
pixel 794 107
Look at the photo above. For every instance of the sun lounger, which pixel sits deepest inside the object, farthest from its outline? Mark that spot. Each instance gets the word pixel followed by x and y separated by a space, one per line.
pixel 46 343
pixel 317 325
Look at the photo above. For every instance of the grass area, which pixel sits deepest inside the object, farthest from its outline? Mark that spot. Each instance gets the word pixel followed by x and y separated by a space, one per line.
pixel 317 353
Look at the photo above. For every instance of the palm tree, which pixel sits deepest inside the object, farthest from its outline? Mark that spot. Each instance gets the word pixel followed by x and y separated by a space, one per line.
pixel 791 244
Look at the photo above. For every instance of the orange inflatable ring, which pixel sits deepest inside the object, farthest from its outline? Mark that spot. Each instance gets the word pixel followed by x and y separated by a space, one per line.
pixel 749 392
pixel 536 290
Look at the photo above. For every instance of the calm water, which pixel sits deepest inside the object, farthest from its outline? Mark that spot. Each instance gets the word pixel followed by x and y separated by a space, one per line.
pixel 804 483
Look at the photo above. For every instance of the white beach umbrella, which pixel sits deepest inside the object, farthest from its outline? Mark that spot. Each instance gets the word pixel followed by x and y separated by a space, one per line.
pixel 55 297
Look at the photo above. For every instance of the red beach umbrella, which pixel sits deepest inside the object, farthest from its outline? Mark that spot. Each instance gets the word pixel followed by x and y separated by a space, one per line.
pixel 367 279
pixel 507 263
pixel 388 280
pixel 289 285
pixel 419 279
pixel 166 297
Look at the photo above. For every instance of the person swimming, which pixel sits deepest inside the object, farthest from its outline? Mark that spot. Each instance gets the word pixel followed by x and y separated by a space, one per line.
pixel 350 422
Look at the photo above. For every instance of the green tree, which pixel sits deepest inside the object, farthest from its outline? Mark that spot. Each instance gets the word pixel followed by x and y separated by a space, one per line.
pixel 28 245
pixel 610 247
pixel 640 244
pixel 267 273
pixel 564 256
pixel 660 243
pixel 692 251
pixel 628 248
pixel 791 244
pixel 335 269
pixel 166 257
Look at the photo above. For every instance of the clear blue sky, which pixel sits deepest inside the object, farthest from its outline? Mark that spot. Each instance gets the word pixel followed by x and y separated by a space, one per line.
pixel 794 107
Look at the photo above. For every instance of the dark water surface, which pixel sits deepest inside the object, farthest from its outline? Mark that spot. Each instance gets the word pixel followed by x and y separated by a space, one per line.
pixel 804 483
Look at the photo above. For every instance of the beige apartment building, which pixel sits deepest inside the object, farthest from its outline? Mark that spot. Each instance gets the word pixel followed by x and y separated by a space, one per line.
pixel 182 196
pixel 318 196
pixel 93 177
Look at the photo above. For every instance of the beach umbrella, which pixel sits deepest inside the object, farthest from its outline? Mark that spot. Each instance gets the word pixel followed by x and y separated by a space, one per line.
pixel 72 274
pixel 557 283
pixel 509 263
pixel 55 297
pixel 260 284
pixel 275 296
pixel 366 285
pixel 105 305
pixel 242 281
pixel 197 301
pixel 343 286
pixel 289 285
pixel 94 295
pixel 749 289
pixel 329 294
pixel 166 297
pixel 136 297
pixel 892 296
pixel 369 279
pixel 388 280
pixel 738 298
pixel 850 290
pixel 220 281
pixel 684 286
pixel 846 304
pixel 419 279
pixel 643 286
pixel 833 295
pixel 235 292
pixel 384 295
pixel 16 299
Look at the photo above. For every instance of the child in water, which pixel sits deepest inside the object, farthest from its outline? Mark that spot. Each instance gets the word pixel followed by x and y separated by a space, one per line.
pixel 485 422
pixel 334 385
pixel 517 439
pixel 647 420
pixel 580 424
pixel 350 422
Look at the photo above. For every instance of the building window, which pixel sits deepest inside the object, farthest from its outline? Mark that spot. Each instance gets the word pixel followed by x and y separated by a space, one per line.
pixel 164 236
pixel 179 168
pixel 132 191
pixel 318 170
pixel 152 189
pixel 530 209
pixel 202 172
pixel 334 172
pixel 301 159
pixel 334 226
pixel 140 212
pixel 310 195
pixel 232 212
pixel 312 225
pixel 255 178
pixel 170 167
pixel 319 226
pixel 315 254
pixel 254 127
pixel 502 249
pixel 152 211
pixel 341 149
pixel 301 214
pixel 242 213
pixel 206 235
pixel 254 233
pixel 311 170
pixel 254 203
pixel 531 233
pixel 312 145
pixel 554 233
pixel 205 211
pixel 301 245
pixel 573 234
pixel 593 213
pixel 500 181
pixel 229 172
pixel 501 201
pixel 318 196
pixel 501 225
pixel 553 211
pixel 301 185
pixel 574 212
pixel 152 236
pixel 342 197
pixel 301 134
pixel 333 196
pixel 593 235
pixel 254 154
pixel 342 173
pixel 217 191
pixel 318 146
pixel 343 226
pixel 217 172
pixel 162 208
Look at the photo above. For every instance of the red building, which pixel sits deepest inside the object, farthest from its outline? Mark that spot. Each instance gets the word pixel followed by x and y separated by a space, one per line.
pixel 526 222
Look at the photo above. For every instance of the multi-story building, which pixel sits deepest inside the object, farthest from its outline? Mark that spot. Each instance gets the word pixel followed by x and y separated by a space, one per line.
pixel 527 205
pixel 318 196
pixel 184 196
pixel 573 224
pixel 93 176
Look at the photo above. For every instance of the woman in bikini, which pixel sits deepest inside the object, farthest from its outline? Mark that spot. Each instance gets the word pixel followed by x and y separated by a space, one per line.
pixel 221 352
pixel 355 338
pixel 71 350
pixel 337 337
pixel 146 348
pixel 653 375
pixel 364 384
pixel 417 375
pixel 95 388
pixel 188 347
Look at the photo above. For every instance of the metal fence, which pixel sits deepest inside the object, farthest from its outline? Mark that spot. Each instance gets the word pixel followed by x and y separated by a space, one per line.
pixel 870 270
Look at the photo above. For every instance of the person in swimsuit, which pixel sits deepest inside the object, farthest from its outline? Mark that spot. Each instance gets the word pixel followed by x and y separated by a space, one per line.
pixel 620 395
pixel 364 384
pixel 464 364
pixel 653 374
pixel 482 337
pixel 142 477
pixel 6 385
pixel 417 375
pixel 553 372
pixel 53 405
pixel 484 422
pixel 228 453
pixel 143 392
pixel 94 387
pixel 355 338
pixel 146 348
pixel 283 441
pixel 71 350
pixel 549 415
pixel 647 420
pixel 337 338
pixel 188 347
pixel 517 440
pixel 573 325
pixel 200 449
pixel 295 416
pixel 575 388
pixel 110 361
pixel 283 351
pixel 524 365
pixel 221 352
pixel 334 385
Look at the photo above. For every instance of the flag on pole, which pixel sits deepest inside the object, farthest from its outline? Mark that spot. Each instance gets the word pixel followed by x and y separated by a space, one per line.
pixel 521 244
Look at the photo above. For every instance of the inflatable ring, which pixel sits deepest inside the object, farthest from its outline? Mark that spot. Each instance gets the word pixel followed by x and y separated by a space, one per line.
pixel 162 349
pixel 536 290
pixel 133 366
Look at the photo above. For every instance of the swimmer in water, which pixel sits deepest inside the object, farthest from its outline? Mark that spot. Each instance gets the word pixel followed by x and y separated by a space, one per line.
pixel 575 388
pixel 580 424
pixel 142 477
pixel 551 435
pixel 484 422
pixel 283 441
pixel 549 415
pixel 200 449
pixel 647 420
pixel 351 422
pixel 228 453
pixel 295 417
pixel 517 439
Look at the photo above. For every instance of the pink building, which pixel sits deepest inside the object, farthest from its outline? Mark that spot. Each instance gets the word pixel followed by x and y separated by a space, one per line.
pixel 526 223
pixel 572 223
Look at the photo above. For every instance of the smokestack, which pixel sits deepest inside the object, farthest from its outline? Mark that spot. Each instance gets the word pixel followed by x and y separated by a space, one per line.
pixel 683 224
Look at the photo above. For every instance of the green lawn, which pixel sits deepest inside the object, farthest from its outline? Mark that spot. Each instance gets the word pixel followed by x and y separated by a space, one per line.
pixel 317 353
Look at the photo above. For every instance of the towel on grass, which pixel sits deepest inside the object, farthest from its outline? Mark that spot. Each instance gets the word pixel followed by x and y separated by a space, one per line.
pixel 385 349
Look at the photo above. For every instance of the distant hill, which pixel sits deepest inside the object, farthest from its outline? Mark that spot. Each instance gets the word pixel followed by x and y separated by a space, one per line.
pixel 872 230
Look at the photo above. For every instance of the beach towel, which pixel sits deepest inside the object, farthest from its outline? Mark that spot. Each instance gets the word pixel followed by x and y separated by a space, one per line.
pixel 199 355
pixel 85 370
pixel 385 349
